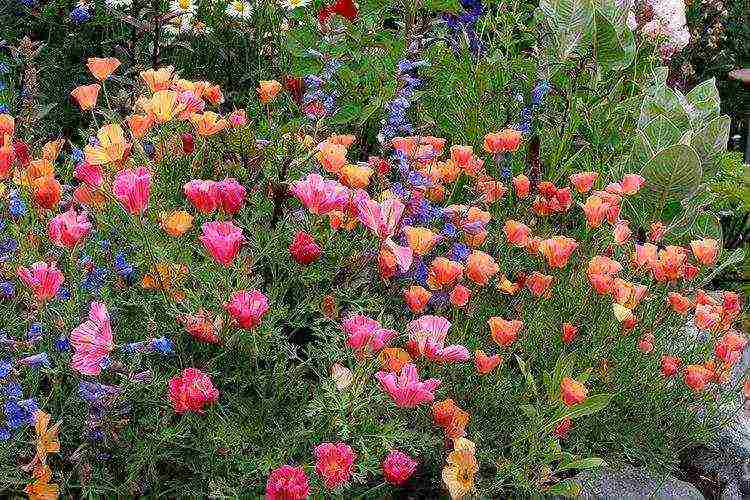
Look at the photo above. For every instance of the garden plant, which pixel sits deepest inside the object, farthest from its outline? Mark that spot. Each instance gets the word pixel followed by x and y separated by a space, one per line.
pixel 376 250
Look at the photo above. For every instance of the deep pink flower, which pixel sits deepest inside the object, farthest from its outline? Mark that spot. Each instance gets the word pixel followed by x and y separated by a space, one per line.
pixel 247 308
pixel 202 194
pixel 287 483
pixel 231 195
pixel 66 229
pixel 192 391
pixel 365 335
pixel 44 279
pixel 131 187
pixel 92 341
pixel 406 390
pixel 90 174
pixel 334 463
pixel 398 467
pixel 303 249
pixel 320 196
pixel 222 240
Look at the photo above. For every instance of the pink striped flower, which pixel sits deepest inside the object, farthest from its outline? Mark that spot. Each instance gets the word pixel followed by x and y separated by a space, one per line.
pixel 365 335
pixel 131 187
pixel 247 308
pixel 406 390
pixel 320 196
pixel 92 341
pixel 44 279
pixel 222 240
pixel 67 229
pixel 90 174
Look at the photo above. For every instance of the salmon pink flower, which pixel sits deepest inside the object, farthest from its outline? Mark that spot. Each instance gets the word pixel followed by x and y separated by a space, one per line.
pixel 334 463
pixel 416 297
pixel 247 308
pixel 380 218
pixel 504 332
pixel 507 140
pixel 365 335
pixel 645 255
pixel 462 155
pixel 600 264
pixel 406 390
pixel 645 343
pixel 460 296
pixel 287 483
pixel 707 317
pixel 729 347
pixel 331 156
pixel 485 364
pixel 621 232
pixel 92 341
pixel 516 233
pixel 697 376
pixel 562 428
pixel 427 336
pixel 320 196
pixel 131 187
pixel 539 284
pixel 202 194
pixel 201 326
pixel 222 240
pixel 630 184
pixel 268 90
pixel 86 96
pixel 191 391
pixel 557 250
pixel 7 156
pixel 656 232
pixel 705 251
pixel 398 467
pixel 303 249
pixel 669 265
pixel 595 210
pixel 569 332
pixel 669 365
pixel 480 267
pixel 521 186
pixel 44 279
pixel 573 392
pixel 584 181
pixel 7 124
pixel 420 239
pixel 451 418
pixel 680 304
pixel 443 272
pixel 67 229
pixel 102 67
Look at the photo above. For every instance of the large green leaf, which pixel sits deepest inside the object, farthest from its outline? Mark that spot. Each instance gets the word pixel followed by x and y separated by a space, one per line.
pixel 569 21
pixel 612 49
pixel 704 102
pixel 673 174
pixel 664 101
pixel 737 256
pixel 709 142
pixel 661 133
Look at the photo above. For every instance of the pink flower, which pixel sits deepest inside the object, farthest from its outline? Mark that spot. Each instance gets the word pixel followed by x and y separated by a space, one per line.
pixel 406 390
pixel 398 467
pixel 222 240
pixel 192 391
pixel 630 184
pixel 365 335
pixel 320 196
pixel 44 279
pixel 287 483
pixel 132 187
pixel 334 463
pixel 90 174
pixel 247 308
pixel 66 229
pixel 231 195
pixel 202 194
pixel 92 341
pixel 303 249
pixel 381 218
pixel 238 118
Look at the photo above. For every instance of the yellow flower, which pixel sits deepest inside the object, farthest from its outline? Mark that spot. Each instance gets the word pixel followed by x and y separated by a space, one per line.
pixel 111 146
pixel 163 105
pixel 462 466
pixel 176 223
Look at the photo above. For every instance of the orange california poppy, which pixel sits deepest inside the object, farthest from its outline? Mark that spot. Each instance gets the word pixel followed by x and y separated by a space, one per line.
pixel 84 195
pixel 47 440
pixel 213 94
pixel 102 67
pixel 176 223
pixel 268 90
pixel 47 192
pixel 443 272
pixel 331 156
pixel 86 96
pixel 458 475
pixel 7 124
pixel 420 239
pixel 158 79
pixel 140 124
pixel 504 332
pixel 208 123
pixel 51 150
pixel 480 267
pixel 355 176
pixel 394 358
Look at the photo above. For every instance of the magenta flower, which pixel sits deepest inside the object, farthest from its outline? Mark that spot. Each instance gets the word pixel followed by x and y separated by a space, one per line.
pixel 247 308
pixel 365 334
pixel 406 390
pixel 222 240
pixel 202 194
pixel 287 483
pixel 231 195
pixel 334 463
pixel 131 187
pixel 398 467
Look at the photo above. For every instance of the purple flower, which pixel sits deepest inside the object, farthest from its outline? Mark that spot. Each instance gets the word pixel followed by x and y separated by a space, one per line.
pixel 37 361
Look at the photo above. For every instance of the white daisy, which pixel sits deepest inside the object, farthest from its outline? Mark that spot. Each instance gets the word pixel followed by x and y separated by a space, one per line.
pixel 293 4
pixel 183 6
pixel 239 9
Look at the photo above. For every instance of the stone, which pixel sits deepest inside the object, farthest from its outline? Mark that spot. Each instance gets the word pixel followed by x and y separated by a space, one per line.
pixel 629 482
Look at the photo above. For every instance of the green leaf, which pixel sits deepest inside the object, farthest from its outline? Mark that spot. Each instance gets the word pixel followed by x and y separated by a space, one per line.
pixel 584 463
pixel 613 50
pixel 673 174
pixel 443 5
pixel 661 100
pixel 592 404
pixel 661 133
pixel 709 142
pixel 568 20
pixel 347 114
pixel 529 410
pixel 704 102
pixel 565 488
pixel 527 375
pixel 737 256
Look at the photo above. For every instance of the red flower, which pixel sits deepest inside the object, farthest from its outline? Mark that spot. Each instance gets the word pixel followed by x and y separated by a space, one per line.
pixel 398 467
pixel 303 249
pixel 573 392
pixel 345 8
pixel 334 463
pixel 188 143
pixel 561 429
pixel 192 391
pixel 287 483
pixel 670 365
pixel 569 332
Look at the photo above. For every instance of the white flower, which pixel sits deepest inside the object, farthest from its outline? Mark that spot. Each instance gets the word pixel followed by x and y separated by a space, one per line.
pixel 239 9
pixel 117 4
pixel 293 4
pixel 183 6
pixel 178 24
